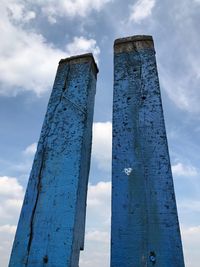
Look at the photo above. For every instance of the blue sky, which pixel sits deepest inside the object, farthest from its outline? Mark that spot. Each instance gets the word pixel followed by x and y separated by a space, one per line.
pixel 35 35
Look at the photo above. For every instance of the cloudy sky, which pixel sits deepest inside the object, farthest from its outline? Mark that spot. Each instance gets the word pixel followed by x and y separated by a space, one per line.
pixel 35 35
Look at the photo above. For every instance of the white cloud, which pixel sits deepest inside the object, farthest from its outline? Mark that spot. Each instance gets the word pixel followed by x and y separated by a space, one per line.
pixel 25 56
pixel 7 228
pixel 99 199
pixel 29 62
pixel 188 206
pixel 81 45
pixel 6 236
pixel 97 239
pixel 98 236
pixel 22 10
pixel 182 89
pixel 179 62
pixel 141 10
pixel 195 232
pixel 191 244
pixel 68 8
pixel 18 12
pixel 30 150
pixel 180 169
pixel 11 196
pixel 99 257
pixel 10 188
pixel 99 194
pixel 23 166
pixel 102 144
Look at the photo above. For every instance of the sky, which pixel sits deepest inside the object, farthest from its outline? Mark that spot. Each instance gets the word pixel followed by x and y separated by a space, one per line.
pixel 35 35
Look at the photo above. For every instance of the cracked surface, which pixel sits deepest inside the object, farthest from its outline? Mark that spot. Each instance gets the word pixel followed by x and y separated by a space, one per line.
pixel 144 214
pixel 52 221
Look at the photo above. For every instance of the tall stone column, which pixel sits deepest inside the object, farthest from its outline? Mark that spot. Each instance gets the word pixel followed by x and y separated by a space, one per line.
pixel 52 222
pixel 145 228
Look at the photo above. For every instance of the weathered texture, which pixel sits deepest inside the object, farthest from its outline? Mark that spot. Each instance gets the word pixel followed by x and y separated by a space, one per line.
pixel 145 228
pixel 52 222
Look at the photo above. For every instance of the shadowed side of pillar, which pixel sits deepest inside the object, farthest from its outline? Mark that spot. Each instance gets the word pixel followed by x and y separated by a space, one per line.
pixel 51 227
pixel 145 228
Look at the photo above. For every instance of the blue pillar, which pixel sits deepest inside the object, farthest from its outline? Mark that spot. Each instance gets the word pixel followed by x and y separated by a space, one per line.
pixel 145 228
pixel 52 222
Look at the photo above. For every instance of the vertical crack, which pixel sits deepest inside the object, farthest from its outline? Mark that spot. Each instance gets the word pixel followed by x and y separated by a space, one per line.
pixel 35 206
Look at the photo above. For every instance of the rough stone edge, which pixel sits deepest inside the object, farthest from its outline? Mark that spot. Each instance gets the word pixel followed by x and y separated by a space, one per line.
pixel 133 43
pixel 81 59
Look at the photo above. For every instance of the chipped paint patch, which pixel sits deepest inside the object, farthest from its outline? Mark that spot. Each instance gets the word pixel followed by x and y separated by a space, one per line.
pixel 128 171
pixel 144 214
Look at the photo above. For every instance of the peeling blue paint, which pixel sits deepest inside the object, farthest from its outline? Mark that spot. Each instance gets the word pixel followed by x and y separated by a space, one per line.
pixel 52 222
pixel 145 229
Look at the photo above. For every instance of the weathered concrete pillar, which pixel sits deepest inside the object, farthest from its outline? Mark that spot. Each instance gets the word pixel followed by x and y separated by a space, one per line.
pixel 52 222
pixel 145 228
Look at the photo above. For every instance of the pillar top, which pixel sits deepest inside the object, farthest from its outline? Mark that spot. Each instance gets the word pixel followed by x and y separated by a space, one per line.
pixel 81 59
pixel 133 43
